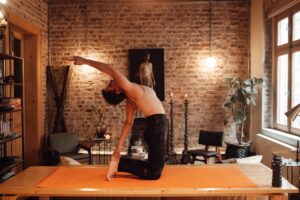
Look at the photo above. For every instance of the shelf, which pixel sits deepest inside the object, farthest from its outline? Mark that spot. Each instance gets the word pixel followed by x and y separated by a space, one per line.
pixel 16 163
pixel 8 97
pixel 12 111
pixel 10 139
pixel 11 160
pixel 11 84
pixel 10 57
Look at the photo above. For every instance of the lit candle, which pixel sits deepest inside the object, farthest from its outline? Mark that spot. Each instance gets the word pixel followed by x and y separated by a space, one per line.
pixel 171 95
pixel 185 96
pixel 107 136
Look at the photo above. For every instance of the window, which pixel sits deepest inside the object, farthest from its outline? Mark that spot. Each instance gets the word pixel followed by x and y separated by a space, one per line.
pixel 282 88
pixel 296 85
pixel 296 29
pixel 283 31
pixel 287 63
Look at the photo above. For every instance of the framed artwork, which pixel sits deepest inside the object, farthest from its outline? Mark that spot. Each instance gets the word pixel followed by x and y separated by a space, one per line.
pixel 146 67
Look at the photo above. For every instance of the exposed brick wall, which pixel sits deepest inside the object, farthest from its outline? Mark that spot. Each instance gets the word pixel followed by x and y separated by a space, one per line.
pixel 36 12
pixel 269 6
pixel 267 89
pixel 105 30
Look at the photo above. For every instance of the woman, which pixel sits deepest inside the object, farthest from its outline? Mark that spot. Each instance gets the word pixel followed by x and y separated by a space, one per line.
pixel 142 98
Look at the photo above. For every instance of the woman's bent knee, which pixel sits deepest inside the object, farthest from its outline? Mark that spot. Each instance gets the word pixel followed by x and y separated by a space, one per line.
pixel 154 175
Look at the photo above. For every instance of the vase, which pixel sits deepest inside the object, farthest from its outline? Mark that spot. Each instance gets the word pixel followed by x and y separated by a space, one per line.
pixel 101 130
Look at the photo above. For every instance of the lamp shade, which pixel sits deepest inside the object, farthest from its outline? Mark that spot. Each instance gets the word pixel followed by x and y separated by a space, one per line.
pixel 293 112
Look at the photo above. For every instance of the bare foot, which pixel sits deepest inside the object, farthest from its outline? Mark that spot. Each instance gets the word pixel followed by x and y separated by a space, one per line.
pixel 112 169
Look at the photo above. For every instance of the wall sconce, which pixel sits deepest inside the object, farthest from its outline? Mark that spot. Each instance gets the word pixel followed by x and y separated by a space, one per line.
pixel 211 60
pixel 292 114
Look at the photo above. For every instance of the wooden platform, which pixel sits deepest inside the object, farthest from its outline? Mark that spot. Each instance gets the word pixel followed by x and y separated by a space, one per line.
pixel 189 181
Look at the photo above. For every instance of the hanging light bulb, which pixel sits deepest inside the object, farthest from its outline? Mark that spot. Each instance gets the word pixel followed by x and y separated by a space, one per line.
pixel 210 62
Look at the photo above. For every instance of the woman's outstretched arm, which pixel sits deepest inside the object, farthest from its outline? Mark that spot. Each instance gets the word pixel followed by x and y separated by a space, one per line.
pixel 121 80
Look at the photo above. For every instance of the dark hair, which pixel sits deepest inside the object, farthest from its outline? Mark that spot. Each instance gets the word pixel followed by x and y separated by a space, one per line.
pixel 111 97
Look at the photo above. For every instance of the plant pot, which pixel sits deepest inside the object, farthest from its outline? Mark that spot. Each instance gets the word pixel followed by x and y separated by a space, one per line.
pixel 237 150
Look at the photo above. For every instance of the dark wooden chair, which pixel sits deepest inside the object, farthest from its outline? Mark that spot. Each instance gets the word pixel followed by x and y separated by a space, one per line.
pixel 207 138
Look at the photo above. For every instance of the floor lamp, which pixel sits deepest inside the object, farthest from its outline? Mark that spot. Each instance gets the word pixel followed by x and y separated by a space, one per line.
pixel 292 115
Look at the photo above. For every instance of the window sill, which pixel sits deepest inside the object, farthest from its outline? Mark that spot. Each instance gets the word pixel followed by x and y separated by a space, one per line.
pixel 282 137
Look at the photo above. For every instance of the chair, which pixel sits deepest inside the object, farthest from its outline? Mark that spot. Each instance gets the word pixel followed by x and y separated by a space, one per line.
pixel 207 138
pixel 67 144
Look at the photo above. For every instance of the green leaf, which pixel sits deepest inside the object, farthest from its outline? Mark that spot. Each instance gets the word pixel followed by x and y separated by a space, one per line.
pixel 228 80
pixel 248 89
pixel 247 82
pixel 253 100
pixel 260 81
pixel 226 122
pixel 233 99
pixel 238 117
pixel 248 101
pixel 227 104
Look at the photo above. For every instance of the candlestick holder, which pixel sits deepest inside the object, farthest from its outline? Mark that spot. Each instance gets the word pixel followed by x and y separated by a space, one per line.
pixel 185 159
pixel 172 156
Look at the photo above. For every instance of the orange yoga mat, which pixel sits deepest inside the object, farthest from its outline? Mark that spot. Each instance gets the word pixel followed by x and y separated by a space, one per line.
pixel 172 177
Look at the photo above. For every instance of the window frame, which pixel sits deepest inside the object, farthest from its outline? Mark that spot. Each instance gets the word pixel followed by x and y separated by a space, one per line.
pixel 289 49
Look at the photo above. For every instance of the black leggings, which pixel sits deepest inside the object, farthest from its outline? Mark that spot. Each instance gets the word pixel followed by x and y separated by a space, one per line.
pixel 154 137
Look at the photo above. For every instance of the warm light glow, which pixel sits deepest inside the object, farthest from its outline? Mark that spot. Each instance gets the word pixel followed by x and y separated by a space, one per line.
pixel 210 62
pixel 107 136
pixel 3 1
pixel 185 96
pixel 86 69
pixel 88 189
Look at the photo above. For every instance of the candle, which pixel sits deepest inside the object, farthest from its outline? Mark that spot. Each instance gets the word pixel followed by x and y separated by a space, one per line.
pixel 171 95
pixel 185 96
pixel 107 136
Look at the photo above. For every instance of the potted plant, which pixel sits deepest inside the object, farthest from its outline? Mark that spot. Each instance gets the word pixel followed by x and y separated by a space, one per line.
pixel 241 95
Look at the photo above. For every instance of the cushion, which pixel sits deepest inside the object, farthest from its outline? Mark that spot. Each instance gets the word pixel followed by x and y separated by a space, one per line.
pixel 202 152
pixel 68 161
pixel 76 156
pixel 249 160
pixel 64 142
pixel 229 161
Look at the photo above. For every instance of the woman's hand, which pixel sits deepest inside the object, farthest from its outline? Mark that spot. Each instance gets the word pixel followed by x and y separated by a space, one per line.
pixel 78 60
pixel 112 169
pixel 113 165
